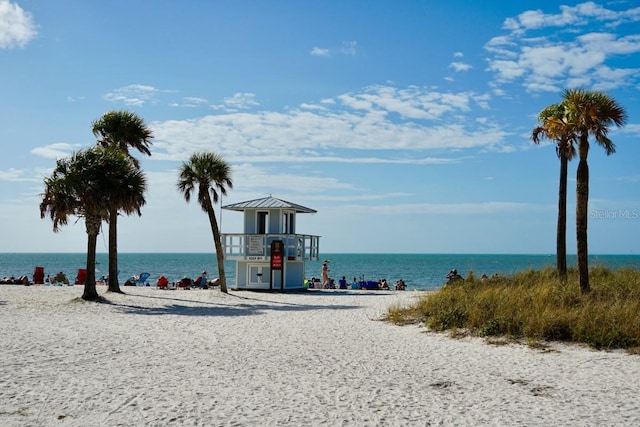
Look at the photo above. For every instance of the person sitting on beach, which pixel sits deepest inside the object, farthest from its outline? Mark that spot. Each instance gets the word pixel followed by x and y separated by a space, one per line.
pixel 400 285
pixel 453 277
pixel 342 283
pixel 61 278
pixel 185 283
pixel 382 284
pixel 355 284
pixel 201 281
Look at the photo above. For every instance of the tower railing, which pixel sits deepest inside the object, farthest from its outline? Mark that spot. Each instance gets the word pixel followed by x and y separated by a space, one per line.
pixel 244 246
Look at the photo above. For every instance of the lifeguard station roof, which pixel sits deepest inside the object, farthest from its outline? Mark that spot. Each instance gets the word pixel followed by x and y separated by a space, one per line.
pixel 268 203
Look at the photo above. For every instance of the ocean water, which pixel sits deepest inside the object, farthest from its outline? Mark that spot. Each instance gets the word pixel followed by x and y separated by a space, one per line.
pixel 419 271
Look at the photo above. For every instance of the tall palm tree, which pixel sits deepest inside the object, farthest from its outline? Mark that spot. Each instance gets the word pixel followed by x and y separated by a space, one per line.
pixel 122 130
pixel 207 173
pixel 79 187
pixel 554 126
pixel 590 113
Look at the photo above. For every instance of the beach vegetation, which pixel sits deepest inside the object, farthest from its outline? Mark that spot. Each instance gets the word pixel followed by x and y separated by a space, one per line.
pixel 208 175
pixel 554 126
pixel 81 186
pixel 122 130
pixel 536 306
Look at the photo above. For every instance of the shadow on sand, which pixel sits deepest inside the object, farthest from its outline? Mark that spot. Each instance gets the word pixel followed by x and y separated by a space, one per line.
pixel 257 303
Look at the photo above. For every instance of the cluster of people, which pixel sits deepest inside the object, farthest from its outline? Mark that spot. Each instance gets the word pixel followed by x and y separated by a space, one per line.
pixel 202 282
pixel 327 283
pixel 453 277
pixel 12 280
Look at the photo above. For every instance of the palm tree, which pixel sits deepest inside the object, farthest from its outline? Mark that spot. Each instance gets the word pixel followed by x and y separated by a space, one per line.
pixel 589 113
pixel 122 130
pixel 554 126
pixel 79 187
pixel 207 173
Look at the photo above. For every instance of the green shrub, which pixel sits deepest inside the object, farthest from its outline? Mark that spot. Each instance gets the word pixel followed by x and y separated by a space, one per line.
pixel 537 305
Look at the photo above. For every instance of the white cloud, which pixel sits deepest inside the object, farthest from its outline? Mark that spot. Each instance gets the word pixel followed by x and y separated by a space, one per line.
pixel 16 26
pixel 318 51
pixel 13 174
pixel 347 48
pixel 134 95
pixel 55 151
pixel 241 100
pixel 579 15
pixel 541 64
pixel 482 208
pixel 409 121
pixel 460 66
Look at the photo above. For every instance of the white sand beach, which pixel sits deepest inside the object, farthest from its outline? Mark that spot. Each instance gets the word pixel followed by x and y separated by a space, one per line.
pixel 203 358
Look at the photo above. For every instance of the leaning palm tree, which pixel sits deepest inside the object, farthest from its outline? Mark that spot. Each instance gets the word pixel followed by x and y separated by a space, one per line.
pixel 122 130
pixel 554 126
pixel 590 113
pixel 207 173
pixel 79 187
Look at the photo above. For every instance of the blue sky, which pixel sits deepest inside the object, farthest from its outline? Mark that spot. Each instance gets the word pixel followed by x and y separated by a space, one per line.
pixel 405 124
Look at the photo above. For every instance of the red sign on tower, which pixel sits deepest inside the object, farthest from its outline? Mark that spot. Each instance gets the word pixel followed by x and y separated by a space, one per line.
pixel 276 254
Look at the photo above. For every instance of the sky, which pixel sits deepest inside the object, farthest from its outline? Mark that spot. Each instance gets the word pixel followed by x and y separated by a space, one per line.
pixel 405 124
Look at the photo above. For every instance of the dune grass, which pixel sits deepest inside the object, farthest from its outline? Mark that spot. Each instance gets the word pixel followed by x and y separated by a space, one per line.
pixel 535 305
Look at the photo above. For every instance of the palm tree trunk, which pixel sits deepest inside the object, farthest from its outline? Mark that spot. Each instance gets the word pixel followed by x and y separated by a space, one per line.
pixel 217 242
pixel 561 237
pixel 582 202
pixel 113 252
pixel 93 228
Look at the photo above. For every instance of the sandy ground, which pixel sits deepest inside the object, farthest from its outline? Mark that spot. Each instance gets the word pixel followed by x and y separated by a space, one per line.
pixel 203 358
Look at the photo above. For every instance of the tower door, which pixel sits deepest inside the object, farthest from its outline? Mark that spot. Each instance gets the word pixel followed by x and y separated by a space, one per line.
pixel 259 275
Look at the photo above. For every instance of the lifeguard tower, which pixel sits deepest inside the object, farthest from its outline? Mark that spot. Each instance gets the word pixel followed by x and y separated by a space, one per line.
pixel 269 255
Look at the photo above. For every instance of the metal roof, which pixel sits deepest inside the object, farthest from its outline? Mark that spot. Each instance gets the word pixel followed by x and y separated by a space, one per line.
pixel 268 203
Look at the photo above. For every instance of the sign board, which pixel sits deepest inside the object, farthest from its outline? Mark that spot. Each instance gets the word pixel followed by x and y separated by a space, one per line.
pixel 277 254
pixel 256 245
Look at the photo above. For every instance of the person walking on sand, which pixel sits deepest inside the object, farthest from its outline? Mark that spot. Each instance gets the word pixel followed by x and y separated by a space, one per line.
pixel 325 274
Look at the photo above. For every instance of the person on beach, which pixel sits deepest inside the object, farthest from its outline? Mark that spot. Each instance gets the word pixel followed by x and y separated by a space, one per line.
pixel 342 283
pixel 61 278
pixel 201 281
pixel 400 285
pixel 325 274
pixel 453 277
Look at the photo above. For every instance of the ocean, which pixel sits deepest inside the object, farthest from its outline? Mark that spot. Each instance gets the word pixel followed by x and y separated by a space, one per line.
pixel 419 271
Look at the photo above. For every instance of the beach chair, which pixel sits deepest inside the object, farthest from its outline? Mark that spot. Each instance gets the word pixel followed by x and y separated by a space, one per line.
pixel 162 282
pixel 142 279
pixel 185 283
pixel 81 277
pixel 38 276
